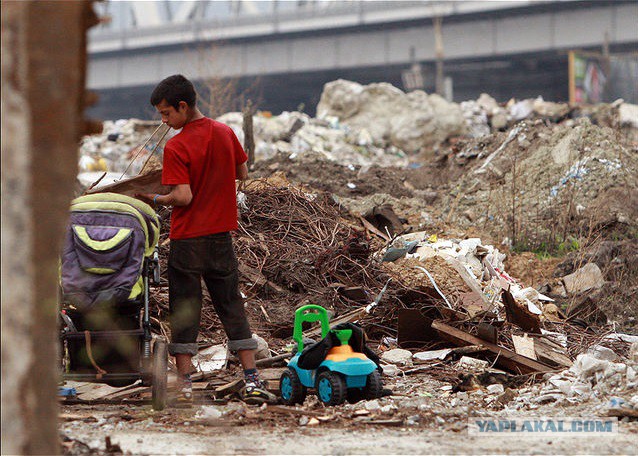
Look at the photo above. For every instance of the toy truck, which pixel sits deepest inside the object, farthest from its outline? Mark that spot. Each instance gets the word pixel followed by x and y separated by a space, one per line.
pixel 343 374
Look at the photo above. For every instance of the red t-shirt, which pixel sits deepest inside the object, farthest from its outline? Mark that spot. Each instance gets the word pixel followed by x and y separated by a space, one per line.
pixel 204 155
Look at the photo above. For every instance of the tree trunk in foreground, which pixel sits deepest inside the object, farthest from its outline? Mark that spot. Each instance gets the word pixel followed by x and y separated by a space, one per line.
pixel 43 77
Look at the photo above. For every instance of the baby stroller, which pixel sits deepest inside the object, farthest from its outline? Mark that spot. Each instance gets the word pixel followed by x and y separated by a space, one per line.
pixel 108 259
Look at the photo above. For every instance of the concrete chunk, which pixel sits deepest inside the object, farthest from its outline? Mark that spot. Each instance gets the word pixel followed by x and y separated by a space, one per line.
pixel 586 278
pixel 397 356
pixel 472 364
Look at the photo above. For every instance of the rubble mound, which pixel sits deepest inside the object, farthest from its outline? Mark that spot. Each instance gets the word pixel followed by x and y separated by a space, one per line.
pixel 411 122
pixel 342 179
pixel 543 186
pixel 119 147
pixel 597 375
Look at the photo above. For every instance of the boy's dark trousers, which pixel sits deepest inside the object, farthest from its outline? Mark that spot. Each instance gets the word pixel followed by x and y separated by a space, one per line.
pixel 212 258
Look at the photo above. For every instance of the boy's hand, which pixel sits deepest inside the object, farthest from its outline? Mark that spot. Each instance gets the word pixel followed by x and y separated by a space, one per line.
pixel 146 197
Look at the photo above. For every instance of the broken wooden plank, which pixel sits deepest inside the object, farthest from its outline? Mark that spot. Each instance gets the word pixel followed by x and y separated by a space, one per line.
pixel 451 314
pixel 468 349
pixel 622 412
pixel 76 416
pixel 95 391
pixel 258 278
pixel 370 227
pixel 229 388
pixel 488 332
pixel 127 393
pixel 201 376
pixel 414 329
pixel 273 373
pixel 506 358
pixel 551 353
pixel 519 315
pixel 357 294
pixel 384 218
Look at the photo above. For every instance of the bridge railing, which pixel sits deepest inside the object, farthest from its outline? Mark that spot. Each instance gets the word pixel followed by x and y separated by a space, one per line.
pixel 326 10
pixel 349 14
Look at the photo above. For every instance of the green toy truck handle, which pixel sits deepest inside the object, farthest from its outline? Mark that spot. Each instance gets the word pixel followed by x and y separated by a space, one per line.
pixel 309 313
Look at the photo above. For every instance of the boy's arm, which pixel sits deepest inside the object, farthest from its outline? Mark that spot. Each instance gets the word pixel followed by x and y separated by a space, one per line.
pixel 241 171
pixel 180 195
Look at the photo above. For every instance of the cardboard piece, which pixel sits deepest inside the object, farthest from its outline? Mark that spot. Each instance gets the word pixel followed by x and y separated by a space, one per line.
pixel 524 346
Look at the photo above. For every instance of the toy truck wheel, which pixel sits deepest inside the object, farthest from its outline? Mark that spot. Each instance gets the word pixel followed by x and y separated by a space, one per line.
pixel 374 385
pixel 355 395
pixel 290 388
pixel 331 388
pixel 160 374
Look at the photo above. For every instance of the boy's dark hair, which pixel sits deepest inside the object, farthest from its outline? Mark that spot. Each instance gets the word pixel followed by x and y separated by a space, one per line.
pixel 174 89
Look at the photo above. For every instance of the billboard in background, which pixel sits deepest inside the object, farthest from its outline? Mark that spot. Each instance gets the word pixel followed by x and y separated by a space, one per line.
pixel 596 78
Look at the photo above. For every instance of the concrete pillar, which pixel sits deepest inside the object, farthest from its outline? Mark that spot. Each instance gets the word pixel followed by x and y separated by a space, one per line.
pixel 43 55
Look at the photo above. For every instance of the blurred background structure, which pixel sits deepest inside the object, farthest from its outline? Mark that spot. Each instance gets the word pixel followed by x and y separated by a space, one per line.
pixel 286 50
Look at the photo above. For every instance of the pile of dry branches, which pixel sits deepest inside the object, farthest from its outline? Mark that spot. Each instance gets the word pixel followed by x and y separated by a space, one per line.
pixel 296 247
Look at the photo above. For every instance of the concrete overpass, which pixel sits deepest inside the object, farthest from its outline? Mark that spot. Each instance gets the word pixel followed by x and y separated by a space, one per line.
pixel 502 47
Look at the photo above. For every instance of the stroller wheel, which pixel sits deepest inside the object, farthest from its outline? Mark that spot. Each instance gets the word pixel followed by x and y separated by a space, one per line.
pixel 160 374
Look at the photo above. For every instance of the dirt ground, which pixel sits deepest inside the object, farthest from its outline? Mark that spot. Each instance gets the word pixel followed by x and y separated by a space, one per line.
pixel 422 416
pixel 189 438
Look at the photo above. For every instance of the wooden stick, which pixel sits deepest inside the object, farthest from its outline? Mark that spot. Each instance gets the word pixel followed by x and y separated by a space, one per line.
pixel 141 149
pixel 95 183
pixel 268 362
pixel 152 152
pixel 370 227
pixel 265 313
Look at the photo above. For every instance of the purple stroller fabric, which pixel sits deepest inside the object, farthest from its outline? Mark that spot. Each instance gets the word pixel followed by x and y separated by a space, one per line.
pixel 103 255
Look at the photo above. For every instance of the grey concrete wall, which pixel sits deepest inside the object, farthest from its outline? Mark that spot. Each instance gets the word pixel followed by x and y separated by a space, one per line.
pixel 43 78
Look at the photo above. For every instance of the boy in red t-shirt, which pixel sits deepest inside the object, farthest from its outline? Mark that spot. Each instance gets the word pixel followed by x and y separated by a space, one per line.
pixel 201 164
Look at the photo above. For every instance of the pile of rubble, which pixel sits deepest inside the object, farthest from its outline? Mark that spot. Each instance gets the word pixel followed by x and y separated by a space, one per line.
pixel 358 125
pixel 409 121
pixel 596 375
pixel 282 226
